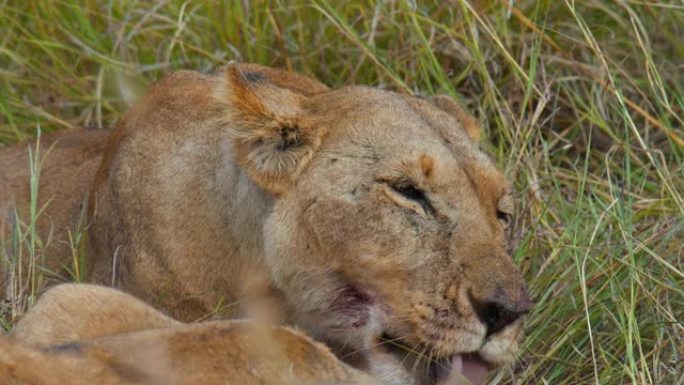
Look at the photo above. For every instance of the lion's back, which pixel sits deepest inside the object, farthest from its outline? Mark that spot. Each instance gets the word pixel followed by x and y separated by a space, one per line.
pixel 63 167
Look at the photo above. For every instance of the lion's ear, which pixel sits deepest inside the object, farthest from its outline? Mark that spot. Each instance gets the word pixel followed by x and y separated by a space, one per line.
pixel 264 111
pixel 449 105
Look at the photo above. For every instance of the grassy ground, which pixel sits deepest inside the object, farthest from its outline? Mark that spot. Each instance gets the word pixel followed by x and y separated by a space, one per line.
pixel 582 103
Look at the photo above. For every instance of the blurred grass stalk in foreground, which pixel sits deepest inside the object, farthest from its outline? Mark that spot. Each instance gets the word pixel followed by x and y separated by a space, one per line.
pixel 581 102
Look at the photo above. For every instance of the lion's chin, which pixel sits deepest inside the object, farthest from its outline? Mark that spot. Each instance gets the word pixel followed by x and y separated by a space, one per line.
pixel 458 369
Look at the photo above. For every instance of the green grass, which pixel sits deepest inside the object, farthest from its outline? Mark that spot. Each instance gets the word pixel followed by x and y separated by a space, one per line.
pixel 581 102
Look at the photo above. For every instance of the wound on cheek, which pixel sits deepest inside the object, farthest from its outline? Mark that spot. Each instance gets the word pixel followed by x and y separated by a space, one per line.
pixel 352 306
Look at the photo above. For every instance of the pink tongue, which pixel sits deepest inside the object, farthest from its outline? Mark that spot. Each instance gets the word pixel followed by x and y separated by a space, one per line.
pixel 468 367
pixel 474 370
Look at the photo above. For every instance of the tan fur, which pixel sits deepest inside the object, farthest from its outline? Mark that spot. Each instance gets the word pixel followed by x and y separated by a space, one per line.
pixel 213 185
pixel 211 353
pixel 87 334
pixel 69 160
pixel 72 312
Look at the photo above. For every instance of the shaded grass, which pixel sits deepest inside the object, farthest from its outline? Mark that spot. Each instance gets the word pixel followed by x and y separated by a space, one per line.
pixel 582 103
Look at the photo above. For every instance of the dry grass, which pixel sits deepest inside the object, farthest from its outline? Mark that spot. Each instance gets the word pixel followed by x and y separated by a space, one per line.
pixel 582 103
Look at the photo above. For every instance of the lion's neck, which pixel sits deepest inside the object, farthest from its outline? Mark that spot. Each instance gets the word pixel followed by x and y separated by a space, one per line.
pixel 240 209
pixel 244 206
pixel 205 228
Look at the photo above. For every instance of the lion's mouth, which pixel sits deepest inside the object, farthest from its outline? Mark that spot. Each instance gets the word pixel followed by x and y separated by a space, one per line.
pixel 458 369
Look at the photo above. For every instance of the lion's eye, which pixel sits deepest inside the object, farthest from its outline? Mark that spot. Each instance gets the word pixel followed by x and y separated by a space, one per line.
pixel 504 218
pixel 409 191
pixel 412 192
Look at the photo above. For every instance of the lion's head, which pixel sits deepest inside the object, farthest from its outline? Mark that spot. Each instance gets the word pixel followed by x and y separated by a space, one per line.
pixel 388 223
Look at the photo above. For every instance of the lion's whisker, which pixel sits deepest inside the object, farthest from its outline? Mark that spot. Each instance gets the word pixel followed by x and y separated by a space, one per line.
pixel 392 341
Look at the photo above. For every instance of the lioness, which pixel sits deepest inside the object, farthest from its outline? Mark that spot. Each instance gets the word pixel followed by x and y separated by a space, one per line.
pixel 367 215
pixel 59 341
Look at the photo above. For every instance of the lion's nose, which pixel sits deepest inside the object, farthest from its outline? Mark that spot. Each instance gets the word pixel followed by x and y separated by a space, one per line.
pixel 500 310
